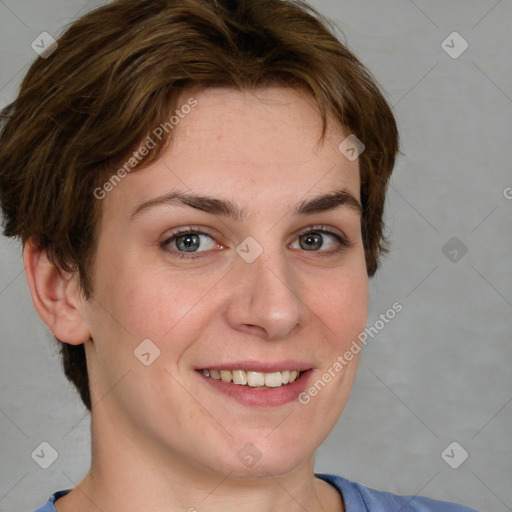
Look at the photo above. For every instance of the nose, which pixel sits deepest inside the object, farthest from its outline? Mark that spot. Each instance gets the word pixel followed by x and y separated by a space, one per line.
pixel 265 298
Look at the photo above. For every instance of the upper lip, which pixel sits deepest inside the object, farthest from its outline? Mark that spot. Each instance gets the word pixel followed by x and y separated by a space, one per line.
pixel 258 366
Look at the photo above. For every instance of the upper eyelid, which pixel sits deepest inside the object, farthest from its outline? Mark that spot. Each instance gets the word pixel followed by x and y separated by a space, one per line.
pixel 194 230
pixel 323 229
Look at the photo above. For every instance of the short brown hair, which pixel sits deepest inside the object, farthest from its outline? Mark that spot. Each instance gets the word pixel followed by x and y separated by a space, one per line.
pixel 117 73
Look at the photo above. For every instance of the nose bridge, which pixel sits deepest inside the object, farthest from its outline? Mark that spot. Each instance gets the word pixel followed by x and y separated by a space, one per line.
pixel 265 292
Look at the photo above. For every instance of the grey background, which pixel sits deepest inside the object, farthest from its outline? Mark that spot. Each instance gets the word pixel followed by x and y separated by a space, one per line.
pixel 440 370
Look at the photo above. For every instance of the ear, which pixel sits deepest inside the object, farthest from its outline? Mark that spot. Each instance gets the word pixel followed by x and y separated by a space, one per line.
pixel 56 296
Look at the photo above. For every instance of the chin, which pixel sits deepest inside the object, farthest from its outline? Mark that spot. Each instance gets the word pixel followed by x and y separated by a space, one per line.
pixel 264 457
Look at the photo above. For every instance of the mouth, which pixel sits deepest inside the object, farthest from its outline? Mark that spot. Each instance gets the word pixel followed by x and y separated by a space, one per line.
pixel 257 388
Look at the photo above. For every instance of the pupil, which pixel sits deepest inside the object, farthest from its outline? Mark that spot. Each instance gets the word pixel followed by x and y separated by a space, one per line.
pixel 312 241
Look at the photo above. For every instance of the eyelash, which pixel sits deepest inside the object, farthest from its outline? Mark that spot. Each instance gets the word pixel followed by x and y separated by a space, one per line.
pixel 343 242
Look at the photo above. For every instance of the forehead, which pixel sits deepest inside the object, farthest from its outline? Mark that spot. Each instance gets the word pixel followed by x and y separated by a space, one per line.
pixel 269 127
pixel 253 146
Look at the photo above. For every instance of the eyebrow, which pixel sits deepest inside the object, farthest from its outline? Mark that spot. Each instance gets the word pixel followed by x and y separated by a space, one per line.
pixel 225 208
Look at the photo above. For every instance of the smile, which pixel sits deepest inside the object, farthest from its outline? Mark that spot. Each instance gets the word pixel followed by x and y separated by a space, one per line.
pixel 254 379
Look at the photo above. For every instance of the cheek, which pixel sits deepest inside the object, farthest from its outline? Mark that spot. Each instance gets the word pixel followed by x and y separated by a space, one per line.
pixel 341 304
pixel 137 294
pixel 133 305
pixel 139 303
pixel 351 310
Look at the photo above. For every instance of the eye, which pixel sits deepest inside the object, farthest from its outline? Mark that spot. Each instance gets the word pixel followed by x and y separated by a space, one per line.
pixel 320 237
pixel 188 240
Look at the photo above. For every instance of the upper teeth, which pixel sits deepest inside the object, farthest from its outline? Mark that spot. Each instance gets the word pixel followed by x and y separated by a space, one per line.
pixel 254 379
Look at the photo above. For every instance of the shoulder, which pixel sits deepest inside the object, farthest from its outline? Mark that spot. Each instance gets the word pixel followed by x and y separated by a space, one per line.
pixel 49 506
pixel 359 498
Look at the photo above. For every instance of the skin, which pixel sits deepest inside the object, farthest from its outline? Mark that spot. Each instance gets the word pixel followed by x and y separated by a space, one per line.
pixel 162 439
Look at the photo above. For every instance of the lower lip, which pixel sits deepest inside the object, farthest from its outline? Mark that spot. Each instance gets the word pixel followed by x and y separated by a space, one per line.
pixel 263 397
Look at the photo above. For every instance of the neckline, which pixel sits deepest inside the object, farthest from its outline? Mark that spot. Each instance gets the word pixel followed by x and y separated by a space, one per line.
pixel 328 479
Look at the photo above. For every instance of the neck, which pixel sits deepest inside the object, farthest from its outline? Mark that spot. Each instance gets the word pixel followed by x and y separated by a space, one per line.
pixel 130 475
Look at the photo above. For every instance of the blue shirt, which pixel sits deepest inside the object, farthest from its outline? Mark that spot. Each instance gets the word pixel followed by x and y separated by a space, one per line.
pixel 357 497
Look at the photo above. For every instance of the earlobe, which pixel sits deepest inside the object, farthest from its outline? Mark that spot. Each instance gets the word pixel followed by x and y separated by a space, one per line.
pixel 56 297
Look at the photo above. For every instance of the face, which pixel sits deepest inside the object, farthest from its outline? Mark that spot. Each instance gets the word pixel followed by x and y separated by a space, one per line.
pixel 221 256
